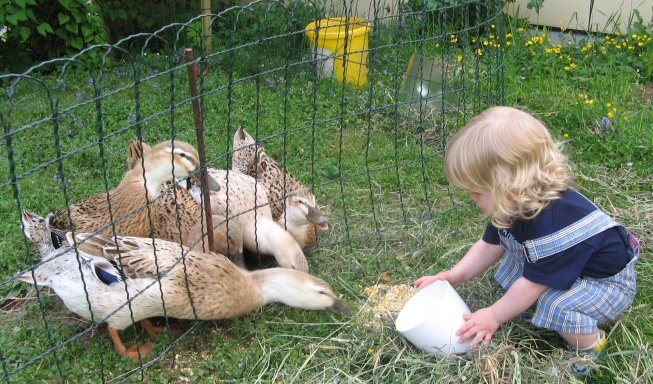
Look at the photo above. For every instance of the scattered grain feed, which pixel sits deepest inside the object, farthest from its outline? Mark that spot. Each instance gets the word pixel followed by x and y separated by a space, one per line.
pixel 385 301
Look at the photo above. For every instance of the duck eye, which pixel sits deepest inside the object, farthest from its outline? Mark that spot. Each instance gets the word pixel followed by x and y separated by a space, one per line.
pixel 183 155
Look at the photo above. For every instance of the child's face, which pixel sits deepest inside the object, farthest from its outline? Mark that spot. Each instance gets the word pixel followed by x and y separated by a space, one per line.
pixel 482 200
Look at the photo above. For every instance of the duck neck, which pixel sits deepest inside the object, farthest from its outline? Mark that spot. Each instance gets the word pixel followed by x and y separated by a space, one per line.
pixel 290 217
pixel 153 178
pixel 274 285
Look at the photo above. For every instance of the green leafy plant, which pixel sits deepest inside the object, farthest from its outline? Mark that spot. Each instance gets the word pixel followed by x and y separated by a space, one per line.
pixel 276 26
pixel 535 4
pixel 639 28
pixel 37 30
pixel 124 17
pixel 442 17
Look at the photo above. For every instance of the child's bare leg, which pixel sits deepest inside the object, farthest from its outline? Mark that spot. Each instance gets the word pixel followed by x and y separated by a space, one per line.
pixel 581 341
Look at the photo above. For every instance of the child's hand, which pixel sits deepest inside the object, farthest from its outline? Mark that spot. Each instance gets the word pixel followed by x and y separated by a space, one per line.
pixel 481 325
pixel 448 275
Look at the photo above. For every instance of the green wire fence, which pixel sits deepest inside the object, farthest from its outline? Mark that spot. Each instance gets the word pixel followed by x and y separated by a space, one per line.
pixel 361 121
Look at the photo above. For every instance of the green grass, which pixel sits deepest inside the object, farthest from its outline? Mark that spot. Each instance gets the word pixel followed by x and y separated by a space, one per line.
pixel 376 171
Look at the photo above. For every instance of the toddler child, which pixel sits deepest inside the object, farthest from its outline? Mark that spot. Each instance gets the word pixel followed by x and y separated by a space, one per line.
pixel 560 252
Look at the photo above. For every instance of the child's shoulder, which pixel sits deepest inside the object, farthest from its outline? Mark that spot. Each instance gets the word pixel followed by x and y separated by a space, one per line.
pixel 572 203
pixel 570 208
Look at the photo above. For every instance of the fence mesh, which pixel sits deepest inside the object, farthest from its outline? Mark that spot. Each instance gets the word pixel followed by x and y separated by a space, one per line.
pixel 369 148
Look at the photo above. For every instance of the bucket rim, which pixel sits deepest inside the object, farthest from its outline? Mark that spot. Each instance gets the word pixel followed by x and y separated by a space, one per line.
pixel 439 285
pixel 358 26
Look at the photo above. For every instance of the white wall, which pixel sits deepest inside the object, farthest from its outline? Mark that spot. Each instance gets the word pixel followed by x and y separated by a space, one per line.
pixel 362 8
pixel 606 16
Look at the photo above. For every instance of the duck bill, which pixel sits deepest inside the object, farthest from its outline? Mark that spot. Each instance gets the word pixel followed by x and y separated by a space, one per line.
pixel 315 217
pixel 339 308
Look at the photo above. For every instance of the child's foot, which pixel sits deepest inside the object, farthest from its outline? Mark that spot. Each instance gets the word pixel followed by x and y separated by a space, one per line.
pixel 583 360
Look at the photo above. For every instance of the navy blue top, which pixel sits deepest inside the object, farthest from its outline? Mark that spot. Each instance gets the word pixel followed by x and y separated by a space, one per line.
pixel 602 255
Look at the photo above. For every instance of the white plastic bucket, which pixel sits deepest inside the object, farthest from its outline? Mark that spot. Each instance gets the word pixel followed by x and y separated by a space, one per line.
pixel 430 319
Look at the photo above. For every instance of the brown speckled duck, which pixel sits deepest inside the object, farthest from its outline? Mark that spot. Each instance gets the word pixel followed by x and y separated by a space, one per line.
pixel 293 205
pixel 159 165
pixel 235 198
pixel 245 202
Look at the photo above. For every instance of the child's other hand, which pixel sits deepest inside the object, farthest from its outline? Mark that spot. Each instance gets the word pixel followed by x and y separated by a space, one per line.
pixel 448 275
pixel 481 325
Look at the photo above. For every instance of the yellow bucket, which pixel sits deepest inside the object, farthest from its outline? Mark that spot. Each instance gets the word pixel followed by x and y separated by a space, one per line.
pixel 329 36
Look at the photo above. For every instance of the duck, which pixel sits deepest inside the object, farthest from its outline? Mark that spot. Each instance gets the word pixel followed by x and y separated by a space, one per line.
pixel 293 206
pixel 243 205
pixel 113 280
pixel 142 206
pixel 177 204
pixel 244 201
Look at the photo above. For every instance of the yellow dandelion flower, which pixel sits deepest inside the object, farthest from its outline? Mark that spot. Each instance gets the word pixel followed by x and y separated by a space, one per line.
pixel 508 43
pixel 437 45
pixel 590 101
pixel 508 35
pixel 581 95
pixel 460 58
pixel 610 115
pixel 566 135
pixel 634 36
pixel 492 26
pixel 567 68
pixel 479 52
pixel 614 109
pixel 371 351
pixel 608 104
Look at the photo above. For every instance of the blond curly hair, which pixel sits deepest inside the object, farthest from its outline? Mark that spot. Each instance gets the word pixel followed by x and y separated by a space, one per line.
pixel 511 155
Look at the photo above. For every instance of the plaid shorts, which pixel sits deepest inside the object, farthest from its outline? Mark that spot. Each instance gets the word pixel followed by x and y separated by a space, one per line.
pixel 590 301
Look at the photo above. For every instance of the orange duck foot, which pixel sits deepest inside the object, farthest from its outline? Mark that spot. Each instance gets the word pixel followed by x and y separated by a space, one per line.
pixel 132 352
pixel 154 330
